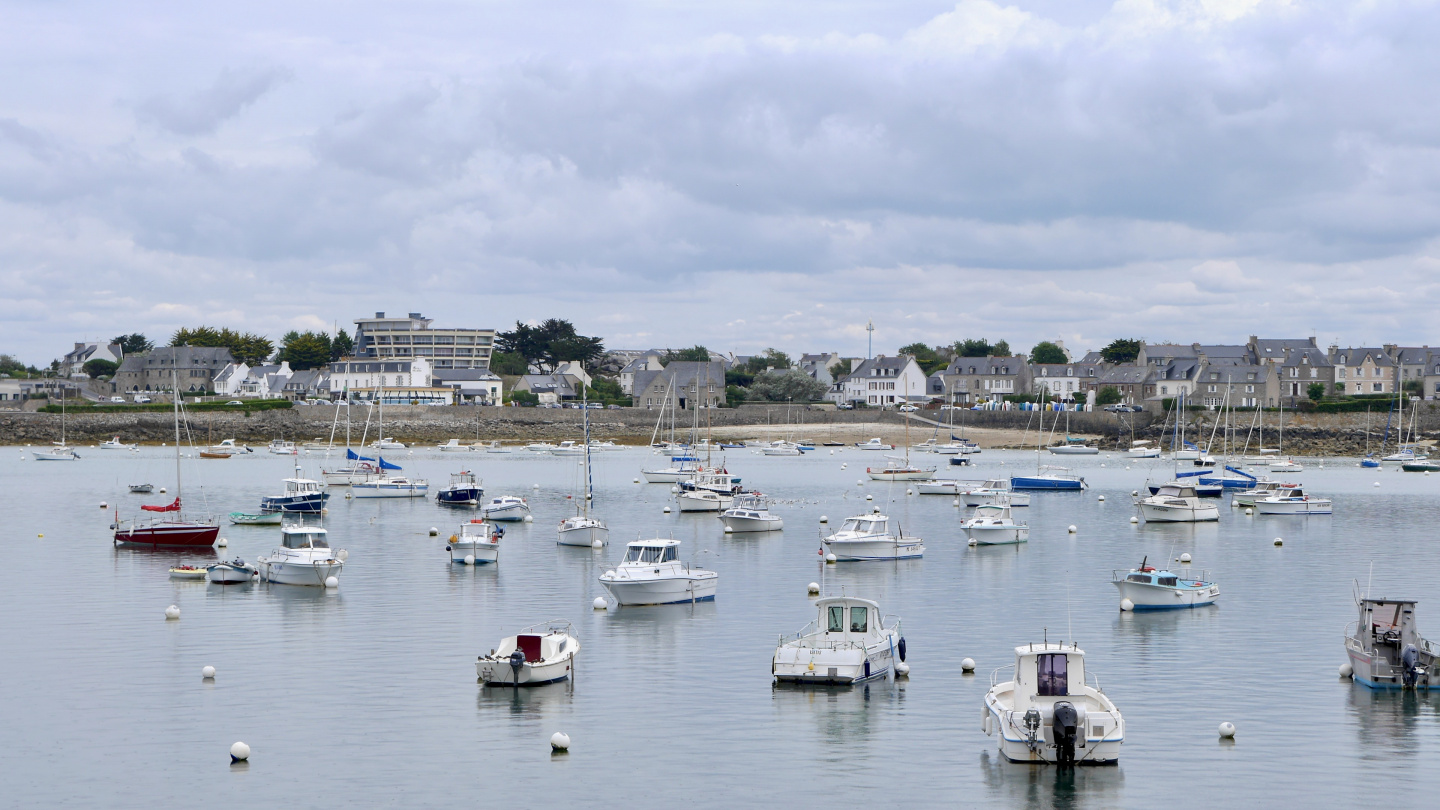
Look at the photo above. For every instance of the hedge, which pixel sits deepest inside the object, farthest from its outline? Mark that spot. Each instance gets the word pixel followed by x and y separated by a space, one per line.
pixel 165 407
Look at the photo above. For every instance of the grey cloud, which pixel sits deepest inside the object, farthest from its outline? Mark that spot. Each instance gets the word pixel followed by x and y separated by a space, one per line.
pixel 203 111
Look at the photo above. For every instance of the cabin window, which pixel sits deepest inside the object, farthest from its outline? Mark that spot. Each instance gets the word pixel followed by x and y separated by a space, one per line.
pixel 1168 581
pixel 859 619
pixel 671 554
pixel 1145 578
pixel 1053 679
pixel 836 623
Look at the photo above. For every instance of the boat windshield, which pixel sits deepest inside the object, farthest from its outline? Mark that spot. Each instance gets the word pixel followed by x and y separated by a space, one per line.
pixel 305 540
pixel 1053 680
pixel 651 554
pixel 836 620
pixel 859 619
pixel 1145 578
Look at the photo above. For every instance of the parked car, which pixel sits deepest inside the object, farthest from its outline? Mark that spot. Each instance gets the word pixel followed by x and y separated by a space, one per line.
pixel 908 409
pixel 1123 408
pixel 234 402
pixel 118 400
pixel 142 399
pixel 613 407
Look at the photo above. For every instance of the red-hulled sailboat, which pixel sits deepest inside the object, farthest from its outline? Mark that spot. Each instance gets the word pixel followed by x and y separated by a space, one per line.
pixel 169 528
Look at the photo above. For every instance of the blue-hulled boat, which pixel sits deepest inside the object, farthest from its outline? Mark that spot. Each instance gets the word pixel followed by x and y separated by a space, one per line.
pixel 1240 479
pixel 301 495
pixel 1149 589
pixel 1050 478
pixel 464 489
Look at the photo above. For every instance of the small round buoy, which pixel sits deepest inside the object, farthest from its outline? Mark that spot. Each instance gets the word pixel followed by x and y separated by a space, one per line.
pixel 1249 511
pixel 1072 529
pixel 332 582
pixel 1234 504
pixel 845 466
pixel 967 665
pixel 222 543
pixel 955 502
pixel 1227 730
pixel 1185 558
pixel 529 519
pixel 824 519
pixel 207 673
pixel 1102 465
pixel 1279 542
pixel 909 492
pixel 830 558
pixel 667 510
pixel 1134 493
pixel 974 542
pixel 172 612
pixel 600 603
pixel 674 490
pixel 469 559
pixel 597 543
pixel 1127 466
pixel 875 509
pixel 860 483
pixel 1126 605
pixel 1134 519
pixel 104 505
pixel 813 588
pixel 729 530
pixel 1102 498
pixel 559 741
pixel 40 535
pixel 637 480
pixel 534 486
pixel 349 496
pixel 1346 670
pixel 902 669
pixel 869 497
pixel 434 531
pixel 239 752
pixel 1377 483
pixel 162 489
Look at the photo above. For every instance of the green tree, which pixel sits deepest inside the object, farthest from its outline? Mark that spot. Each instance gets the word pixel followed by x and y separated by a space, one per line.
pixel 694 354
pixel 839 370
pixel 782 386
pixel 553 342
pixel 1316 391
pixel 1416 387
pixel 1000 349
pixel 9 365
pixel 246 347
pixel 1122 350
pixel 1109 395
pixel 133 344
pixel 1079 397
pixel 509 364
pixel 928 359
pixel 739 376
pixel 522 397
pixel 304 350
pixel 1047 352
pixel 973 347
pixel 734 396
pixel 604 389
pixel 770 358
pixel 341 345
pixel 100 368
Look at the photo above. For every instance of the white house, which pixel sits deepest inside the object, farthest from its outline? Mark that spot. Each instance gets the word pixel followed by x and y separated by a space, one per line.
pixel 265 382
pixel 576 369
pixel 227 382
pixel 882 382
pixel 74 363
pixel 399 382
pixel 649 361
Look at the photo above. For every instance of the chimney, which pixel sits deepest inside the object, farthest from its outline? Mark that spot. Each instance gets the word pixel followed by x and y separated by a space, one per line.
pixel 416 316
pixel 379 314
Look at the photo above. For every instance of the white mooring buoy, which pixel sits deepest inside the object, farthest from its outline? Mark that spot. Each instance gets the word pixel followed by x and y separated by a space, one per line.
pixel 104 505
pixel 729 530
pixel 1126 605
pixel 967 665
pixel 208 673
pixel 1249 511
pixel 1346 670
pixel 534 486
pixel 1227 730
pixel 332 582
pixel 902 669
pixel 600 603
pixel 830 557
pixel 222 543
pixel 560 741
pixel 869 497
pixel 529 519
pixel 824 519
pixel 667 510
pixel 172 612
pixel 674 490
pixel 1185 557
pixel 1279 542
pixel 1072 529
pixel 637 480
pixel 434 532
pixel 597 543
pixel 239 752
pixel 812 588
pixel 469 559
pixel 1134 519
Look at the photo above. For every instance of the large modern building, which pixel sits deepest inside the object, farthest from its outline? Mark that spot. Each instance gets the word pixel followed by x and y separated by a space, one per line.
pixel 385 338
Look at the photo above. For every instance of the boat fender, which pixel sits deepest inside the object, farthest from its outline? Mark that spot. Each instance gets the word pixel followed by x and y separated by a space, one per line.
pixel 985 720
pixel 867 667
pixel 447 547
pixel 901 648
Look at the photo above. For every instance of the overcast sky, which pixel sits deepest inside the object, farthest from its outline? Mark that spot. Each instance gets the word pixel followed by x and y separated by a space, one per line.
pixel 738 174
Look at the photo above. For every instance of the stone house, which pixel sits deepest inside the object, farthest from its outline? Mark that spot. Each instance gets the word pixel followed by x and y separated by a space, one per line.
pixel 1061 381
pixel 818 366
pixel 647 361
pixel 1175 378
pixel 684 384
pixel 1411 363
pixel 1127 378
pixel 882 382
pixel 1240 385
pixel 971 380
pixel 1363 370
pixel 195 366
pixel 1301 362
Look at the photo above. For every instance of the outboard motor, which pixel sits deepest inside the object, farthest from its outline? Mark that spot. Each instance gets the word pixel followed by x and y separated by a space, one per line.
pixel 1063 728
pixel 1032 728
pixel 1410 659
pixel 517 663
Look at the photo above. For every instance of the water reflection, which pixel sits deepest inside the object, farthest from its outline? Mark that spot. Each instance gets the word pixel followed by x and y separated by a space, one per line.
pixel 1047 786
pixel 527 703
pixel 843 716
pixel 1386 720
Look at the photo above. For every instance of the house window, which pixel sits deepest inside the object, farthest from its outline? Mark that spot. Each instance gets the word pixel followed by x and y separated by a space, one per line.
pixel 1378 387
pixel 1377 371
pixel 1249 389
pixel 1044 372
pixel 1214 376
pixel 1314 373
pixel 1163 392
pixel 1340 373
pixel 1212 388
pixel 1294 372
pixel 1359 388
pixel 1069 372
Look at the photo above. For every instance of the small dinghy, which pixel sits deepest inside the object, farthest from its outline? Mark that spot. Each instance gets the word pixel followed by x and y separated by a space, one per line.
pixel 477 543
pixel 237 570
pixel 506 507
pixel 187 572
pixel 262 519
pixel 1149 589
pixel 539 654
pixel 141 489
pixel 849 643
pixel 1048 713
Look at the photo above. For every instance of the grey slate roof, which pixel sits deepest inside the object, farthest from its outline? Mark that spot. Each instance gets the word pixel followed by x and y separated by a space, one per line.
pixel 1356 356
pixel 1307 356
pixel 685 374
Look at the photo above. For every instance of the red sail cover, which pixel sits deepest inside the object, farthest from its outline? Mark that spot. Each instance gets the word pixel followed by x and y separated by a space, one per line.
pixel 174 507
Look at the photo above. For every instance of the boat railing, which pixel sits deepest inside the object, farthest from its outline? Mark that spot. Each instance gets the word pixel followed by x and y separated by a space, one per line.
pixel 995 675
pixel 550 626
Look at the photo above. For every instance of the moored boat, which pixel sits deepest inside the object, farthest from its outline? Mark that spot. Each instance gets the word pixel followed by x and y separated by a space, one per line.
pixel 1049 713
pixel 1385 648
pixel 300 495
pixel 115 444
pixel 750 513
pixel 1177 503
pixel 304 558
pixel 506 507
pixel 991 524
pixel 539 654
pixel 476 543
pixel 652 574
pixel 262 519
pixel 1150 589
pixel 236 570
pixel 867 538
pixel 187 572
pixel 849 642
pixel 1293 502
pixel 874 444
pixel 1050 478
pixel 464 489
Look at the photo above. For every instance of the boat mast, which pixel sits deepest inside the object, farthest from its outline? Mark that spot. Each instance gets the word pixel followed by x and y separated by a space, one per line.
pixel 175 404
pixel 585 404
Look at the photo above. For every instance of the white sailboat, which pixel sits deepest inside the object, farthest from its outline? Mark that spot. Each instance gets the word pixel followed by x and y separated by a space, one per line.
pixel 582 529
pixel 388 486
pixel 59 451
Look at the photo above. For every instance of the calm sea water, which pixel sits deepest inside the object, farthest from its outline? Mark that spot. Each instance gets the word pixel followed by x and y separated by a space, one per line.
pixel 367 696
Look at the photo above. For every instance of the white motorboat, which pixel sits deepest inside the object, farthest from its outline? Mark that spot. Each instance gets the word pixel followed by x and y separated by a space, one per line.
pixel 391 486
pixel 780 447
pixel 304 558
pixel 597 446
pixel 187 572
pixel 943 486
pixel 115 444
pixel 1286 465
pixel 652 574
pixel 1188 454
pixel 493 446
pixel 1178 503
pixel 1149 589
pixel 228 573
pixel 718 481
pixel 849 642
pixel 992 490
pixel 568 448
pixel 874 444
pixel 1142 449
pixel 453 446
pixel 703 500
pixel 141 489
pixel 58 451
pixel 992 524
pixel 1386 650
pixel 357 473
pixel 750 513
pixel 387 443
pixel 540 447
pixel 674 474
pixel 1049 713
pixel 897 469
pixel 506 507
pixel 300 495
pixel 1262 488
pixel 282 448
pixel 865 538
pixel 539 654
pixel 227 448
pixel 476 543
pixel 1292 502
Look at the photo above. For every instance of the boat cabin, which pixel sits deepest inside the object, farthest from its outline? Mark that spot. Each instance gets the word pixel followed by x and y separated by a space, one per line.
pixel 1388 624
pixel 1153 577
pixel 462 479
pixel 866 525
pixel 652 551
pixel 538 647
pixel 1176 491
pixel 304 537
pixel 302 486
pixel 991 511
pixel 1047 672
pixel 996 483
pixel 846 618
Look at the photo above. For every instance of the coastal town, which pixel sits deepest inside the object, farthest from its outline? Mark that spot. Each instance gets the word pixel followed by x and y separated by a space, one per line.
pixel 410 361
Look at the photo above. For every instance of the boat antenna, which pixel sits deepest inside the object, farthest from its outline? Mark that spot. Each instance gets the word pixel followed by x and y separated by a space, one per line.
pixel 1371 580
pixel 1069 625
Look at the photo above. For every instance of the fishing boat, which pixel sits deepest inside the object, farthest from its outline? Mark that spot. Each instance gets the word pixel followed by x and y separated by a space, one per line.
pixel 867 538
pixel 652 574
pixel 453 446
pixel 539 447
pixel 991 524
pixel 304 558
pixel 540 654
pixel 300 495
pixel 1421 466
pixel 494 446
pixel 167 525
pixel 1049 478
pixel 387 443
pixel 476 543
pixel 874 444
pixel 1263 488
pixel 991 490
pixel 227 447
pixel 506 507
pixel 1049 713
pixel 703 500
pixel 1292 502
pixel 282 448
pixel 750 513
pixel 583 529
pixel 780 447
pixel 1285 465
pixel 262 519
pixel 115 444
pixel 228 573
pixel 1178 503
pixel 849 642
pixel 464 489
pixel 141 489
pixel 187 572
pixel 1149 589
pixel 1385 648
pixel 942 486
pixel 897 469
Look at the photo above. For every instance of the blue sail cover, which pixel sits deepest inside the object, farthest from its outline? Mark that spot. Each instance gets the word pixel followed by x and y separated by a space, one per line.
pixel 384 465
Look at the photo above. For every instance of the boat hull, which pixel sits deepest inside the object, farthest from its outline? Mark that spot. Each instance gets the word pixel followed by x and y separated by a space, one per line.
pixel 376 489
pixel 1074 451
pixel 998 535
pixel 1162 513
pixel 500 673
pixel 310 503
pixel 1158 597
pixel 1049 484
pixel 227 574
pixel 460 496
pixel 663 591
pixel 907 548
pixel 583 535
pixel 268 519
pixel 804 665
pixel 506 513
pixel 907 475
pixel 483 552
pixel 983 497
pixel 1315 507
pixel 667 476
pixel 312 574
pixel 693 504
pixel 736 523
pixel 169 535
